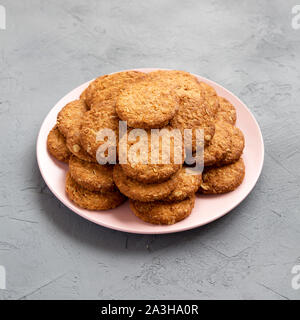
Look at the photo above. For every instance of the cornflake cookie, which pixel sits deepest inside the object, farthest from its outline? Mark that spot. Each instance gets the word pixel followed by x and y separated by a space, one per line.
pixel 151 172
pixel 94 120
pixel 226 111
pixel 56 144
pixel 143 192
pixel 92 200
pixel 162 212
pixel 147 104
pixel 187 184
pixel 210 95
pixel 108 87
pixel 92 176
pixel 223 179
pixel 226 146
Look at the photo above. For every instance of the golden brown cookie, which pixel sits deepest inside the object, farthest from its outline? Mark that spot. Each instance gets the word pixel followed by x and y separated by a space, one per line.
pixel 56 144
pixel 70 116
pixel 92 200
pixel 162 212
pixel 108 87
pixel 187 184
pixel 94 120
pixel 136 190
pixel 226 145
pixel 226 111
pixel 147 104
pixel 223 179
pixel 92 176
pixel 69 123
pixel 210 95
pixel 152 172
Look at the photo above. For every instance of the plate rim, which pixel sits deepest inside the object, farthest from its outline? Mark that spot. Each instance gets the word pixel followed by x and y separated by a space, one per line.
pixel 77 210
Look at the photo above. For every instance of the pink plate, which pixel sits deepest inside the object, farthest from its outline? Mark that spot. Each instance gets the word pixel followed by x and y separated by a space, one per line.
pixel 207 208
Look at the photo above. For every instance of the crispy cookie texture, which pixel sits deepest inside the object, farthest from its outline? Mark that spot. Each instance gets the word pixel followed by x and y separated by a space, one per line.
pixel 92 200
pixel 226 111
pixel 226 146
pixel 97 119
pixel 70 116
pixel 223 179
pixel 147 104
pixel 92 176
pixel 143 192
pixel 108 87
pixel 187 184
pixel 210 95
pixel 162 212
pixel 56 144
pixel 156 162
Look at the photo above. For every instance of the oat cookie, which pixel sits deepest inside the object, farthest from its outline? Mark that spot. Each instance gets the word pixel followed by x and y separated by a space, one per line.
pixel 136 190
pixel 147 104
pixel 56 144
pixel 70 115
pixel 93 121
pixel 186 185
pixel 223 179
pixel 92 176
pixel 151 172
pixel 92 200
pixel 226 111
pixel 108 87
pixel 162 212
pixel 210 95
pixel 226 145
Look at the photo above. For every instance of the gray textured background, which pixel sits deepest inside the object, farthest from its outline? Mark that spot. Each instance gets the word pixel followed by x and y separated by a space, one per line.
pixel 49 48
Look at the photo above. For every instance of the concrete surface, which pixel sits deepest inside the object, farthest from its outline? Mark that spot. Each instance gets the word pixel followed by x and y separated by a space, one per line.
pixel 50 47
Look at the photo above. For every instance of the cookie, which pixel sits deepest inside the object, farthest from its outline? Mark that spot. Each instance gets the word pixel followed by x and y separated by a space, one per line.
pixel 70 116
pixel 147 104
pixel 162 212
pixel 140 165
pixel 226 111
pixel 186 185
pixel 223 179
pixel 136 190
pixel 92 176
pixel 108 87
pixel 226 145
pixel 93 121
pixel 210 95
pixel 92 200
pixel 56 144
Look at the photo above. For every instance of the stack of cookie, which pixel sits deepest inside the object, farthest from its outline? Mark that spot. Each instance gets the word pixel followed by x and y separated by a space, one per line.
pixel 159 193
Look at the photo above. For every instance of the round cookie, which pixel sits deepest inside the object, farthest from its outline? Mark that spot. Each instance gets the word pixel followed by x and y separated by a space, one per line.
pixel 186 185
pixel 56 144
pixel 70 116
pixel 223 179
pixel 92 176
pixel 147 104
pixel 210 95
pixel 150 172
pixel 92 200
pixel 93 121
pixel 226 111
pixel 69 122
pixel 162 212
pixel 109 86
pixel 226 145
pixel 136 190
